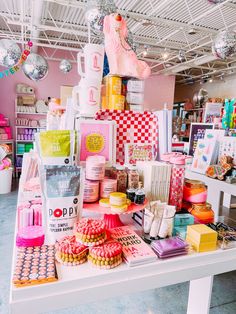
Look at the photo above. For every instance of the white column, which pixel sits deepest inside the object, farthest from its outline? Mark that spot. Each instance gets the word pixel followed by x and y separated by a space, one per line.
pixel 199 299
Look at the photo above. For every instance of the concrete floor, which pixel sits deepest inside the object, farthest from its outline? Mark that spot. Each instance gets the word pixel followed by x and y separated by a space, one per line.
pixel 168 300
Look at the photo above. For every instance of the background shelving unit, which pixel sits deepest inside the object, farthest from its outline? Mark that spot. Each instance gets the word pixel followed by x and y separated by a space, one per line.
pixel 20 129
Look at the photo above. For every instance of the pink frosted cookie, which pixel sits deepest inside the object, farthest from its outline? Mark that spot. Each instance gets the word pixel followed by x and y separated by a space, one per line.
pixel 30 236
pixel 106 256
pixel 69 252
pixel 91 232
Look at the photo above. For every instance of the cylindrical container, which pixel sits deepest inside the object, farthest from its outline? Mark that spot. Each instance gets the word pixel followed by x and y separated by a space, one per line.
pixel 177 182
pixel 95 167
pixel 5 180
pixel 107 186
pixel 91 191
pixel 117 102
pixel 131 194
pixel 194 191
pixel 133 178
pixel 139 198
pixel 202 212
pixel 167 156
pixel 121 176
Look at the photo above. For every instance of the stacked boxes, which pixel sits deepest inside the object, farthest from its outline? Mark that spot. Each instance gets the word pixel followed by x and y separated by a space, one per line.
pixel 135 95
pixel 202 238
pixel 181 221
pixel 113 98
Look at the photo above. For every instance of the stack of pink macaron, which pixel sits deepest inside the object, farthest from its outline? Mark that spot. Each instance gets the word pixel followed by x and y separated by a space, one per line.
pixel 107 255
pixel 91 232
pixel 69 252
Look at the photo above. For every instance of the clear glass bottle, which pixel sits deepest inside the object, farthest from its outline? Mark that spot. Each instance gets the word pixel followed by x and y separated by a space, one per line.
pixel 121 176
pixel 139 198
pixel 133 178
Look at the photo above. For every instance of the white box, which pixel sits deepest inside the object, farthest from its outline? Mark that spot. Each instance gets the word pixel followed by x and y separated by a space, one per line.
pixel 135 98
pixel 137 108
pixel 136 86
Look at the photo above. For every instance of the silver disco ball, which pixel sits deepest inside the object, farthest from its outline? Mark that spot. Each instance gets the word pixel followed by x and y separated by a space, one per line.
pixel 200 98
pixel 224 45
pixel 96 10
pixel 35 67
pixel 65 66
pixel 10 53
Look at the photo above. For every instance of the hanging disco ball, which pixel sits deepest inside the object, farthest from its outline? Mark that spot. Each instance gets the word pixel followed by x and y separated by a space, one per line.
pixel 65 66
pixel 10 53
pixel 96 10
pixel 200 98
pixel 224 45
pixel 35 67
pixel 181 56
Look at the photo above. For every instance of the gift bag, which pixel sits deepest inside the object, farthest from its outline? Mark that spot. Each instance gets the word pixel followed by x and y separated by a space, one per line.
pixel 132 127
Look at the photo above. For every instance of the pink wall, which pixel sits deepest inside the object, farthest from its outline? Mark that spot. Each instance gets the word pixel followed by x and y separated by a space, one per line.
pixel 159 89
pixel 50 86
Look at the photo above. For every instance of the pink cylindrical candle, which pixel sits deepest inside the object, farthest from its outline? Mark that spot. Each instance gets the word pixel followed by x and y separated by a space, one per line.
pixel 107 186
pixel 95 167
pixel 91 191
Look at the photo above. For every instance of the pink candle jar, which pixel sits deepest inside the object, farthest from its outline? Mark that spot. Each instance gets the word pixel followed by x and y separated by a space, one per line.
pixel 91 191
pixel 95 167
pixel 108 186
pixel 194 191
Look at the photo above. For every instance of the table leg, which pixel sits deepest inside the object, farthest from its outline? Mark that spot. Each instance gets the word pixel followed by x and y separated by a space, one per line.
pixel 227 200
pixel 199 299
pixel 213 197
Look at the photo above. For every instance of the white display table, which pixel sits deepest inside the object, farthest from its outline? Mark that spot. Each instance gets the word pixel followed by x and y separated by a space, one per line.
pixel 215 189
pixel 84 283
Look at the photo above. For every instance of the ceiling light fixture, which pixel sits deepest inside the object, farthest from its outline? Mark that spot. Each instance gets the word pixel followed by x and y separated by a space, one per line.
pixel 145 52
pixel 192 31
pixel 211 80
pixel 165 54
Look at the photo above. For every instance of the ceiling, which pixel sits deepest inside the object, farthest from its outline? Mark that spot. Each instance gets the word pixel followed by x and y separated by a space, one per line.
pixel 160 28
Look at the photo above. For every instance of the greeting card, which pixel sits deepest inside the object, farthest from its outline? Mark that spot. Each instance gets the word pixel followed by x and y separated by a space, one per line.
pixel 203 156
pixel 138 152
pixel 98 138
pixel 228 148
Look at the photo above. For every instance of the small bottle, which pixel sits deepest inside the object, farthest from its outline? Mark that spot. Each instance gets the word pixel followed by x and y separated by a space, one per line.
pixel 133 178
pixel 121 176
pixel 131 194
pixel 139 195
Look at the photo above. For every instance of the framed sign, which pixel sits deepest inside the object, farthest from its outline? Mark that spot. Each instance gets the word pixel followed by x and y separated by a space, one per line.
pixel 197 131
pixel 212 110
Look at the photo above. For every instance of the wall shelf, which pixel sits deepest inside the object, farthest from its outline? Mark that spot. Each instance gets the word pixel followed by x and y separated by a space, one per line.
pixel 32 113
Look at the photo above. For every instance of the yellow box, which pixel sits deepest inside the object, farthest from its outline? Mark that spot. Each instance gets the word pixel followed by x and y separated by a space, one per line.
pixel 201 233
pixel 117 102
pixel 113 85
pixel 202 246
